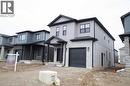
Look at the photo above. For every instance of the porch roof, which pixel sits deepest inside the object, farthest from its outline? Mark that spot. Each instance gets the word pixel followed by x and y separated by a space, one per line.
pixel 124 35
pixel 59 40
pixel 83 38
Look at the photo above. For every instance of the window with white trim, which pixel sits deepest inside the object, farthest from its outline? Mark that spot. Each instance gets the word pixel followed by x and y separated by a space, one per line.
pixel 57 31
pixel 22 37
pixel 64 30
pixel 38 37
pixel 85 28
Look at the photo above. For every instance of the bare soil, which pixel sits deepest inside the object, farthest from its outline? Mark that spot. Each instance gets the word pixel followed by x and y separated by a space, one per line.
pixel 27 75
pixel 106 78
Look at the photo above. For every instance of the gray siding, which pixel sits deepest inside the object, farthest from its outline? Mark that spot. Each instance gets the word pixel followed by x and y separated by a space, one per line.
pixel 1 38
pixel 127 24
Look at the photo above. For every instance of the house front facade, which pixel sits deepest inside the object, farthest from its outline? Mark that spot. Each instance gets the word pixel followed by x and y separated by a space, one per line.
pixel 81 43
pixel 29 44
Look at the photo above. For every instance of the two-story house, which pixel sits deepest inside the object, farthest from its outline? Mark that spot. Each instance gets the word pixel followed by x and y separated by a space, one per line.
pixel 81 43
pixel 29 44
pixel 125 37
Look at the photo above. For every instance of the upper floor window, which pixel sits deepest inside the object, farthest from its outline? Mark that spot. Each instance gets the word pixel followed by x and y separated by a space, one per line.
pixel 104 37
pixel 57 31
pixel 22 37
pixel 64 30
pixel 38 37
pixel 85 28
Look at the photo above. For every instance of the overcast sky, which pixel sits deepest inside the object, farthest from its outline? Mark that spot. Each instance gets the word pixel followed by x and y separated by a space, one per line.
pixel 36 14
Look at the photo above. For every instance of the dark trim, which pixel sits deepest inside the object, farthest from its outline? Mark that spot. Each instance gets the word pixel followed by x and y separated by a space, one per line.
pixel 83 39
pixel 28 31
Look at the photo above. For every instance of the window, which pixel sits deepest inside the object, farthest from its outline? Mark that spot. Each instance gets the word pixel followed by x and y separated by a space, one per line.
pixel 85 28
pixel 22 37
pixel 57 31
pixel 38 37
pixel 64 30
pixel 104 37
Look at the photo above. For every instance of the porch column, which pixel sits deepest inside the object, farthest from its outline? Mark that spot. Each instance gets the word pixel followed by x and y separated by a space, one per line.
pixel 2 52
pixel 43 53
pixel 64 54
pixel 31 58
pixel 47 59
pixel 55 54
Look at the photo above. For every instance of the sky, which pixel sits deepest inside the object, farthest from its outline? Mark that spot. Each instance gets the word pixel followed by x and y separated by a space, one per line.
pixel 36 14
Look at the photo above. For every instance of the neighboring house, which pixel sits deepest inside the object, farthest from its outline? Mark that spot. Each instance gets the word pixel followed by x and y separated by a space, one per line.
pixel 30 45
pixel 125 37
pixel 81 43
pixel 115 56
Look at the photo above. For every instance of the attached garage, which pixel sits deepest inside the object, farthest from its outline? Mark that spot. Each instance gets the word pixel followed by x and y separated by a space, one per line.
pixel 77 57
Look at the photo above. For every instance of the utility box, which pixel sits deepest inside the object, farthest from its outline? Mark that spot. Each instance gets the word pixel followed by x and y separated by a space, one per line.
pixel 48 77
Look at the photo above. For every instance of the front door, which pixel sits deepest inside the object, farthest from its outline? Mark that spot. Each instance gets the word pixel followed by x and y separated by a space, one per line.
pixel 59 54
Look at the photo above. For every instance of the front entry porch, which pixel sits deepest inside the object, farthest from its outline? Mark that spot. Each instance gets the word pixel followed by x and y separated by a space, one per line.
pixel 59 46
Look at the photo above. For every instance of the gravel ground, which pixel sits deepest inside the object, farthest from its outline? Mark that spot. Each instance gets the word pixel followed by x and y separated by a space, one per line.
pixel 27 75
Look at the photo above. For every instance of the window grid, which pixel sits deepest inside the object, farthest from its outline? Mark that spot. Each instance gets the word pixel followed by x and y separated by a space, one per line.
pixel 85 28
pixel 57 31
pixel 64 30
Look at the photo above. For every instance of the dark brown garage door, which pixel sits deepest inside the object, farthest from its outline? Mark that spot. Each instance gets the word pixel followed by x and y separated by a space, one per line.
pixel 77 57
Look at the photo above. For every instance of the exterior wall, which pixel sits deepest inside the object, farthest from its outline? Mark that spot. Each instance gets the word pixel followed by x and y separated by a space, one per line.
pixel 91 33
pixel 105 46
pixel 127 24
pixel 80 44
pixel 70 34
pixel 22 41
pixel 1 38
pixel 42 36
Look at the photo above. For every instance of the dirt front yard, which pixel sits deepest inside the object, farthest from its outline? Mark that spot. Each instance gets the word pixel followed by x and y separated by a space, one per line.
pixel 27 75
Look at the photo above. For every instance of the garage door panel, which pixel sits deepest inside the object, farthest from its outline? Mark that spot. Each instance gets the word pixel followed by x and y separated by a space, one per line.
pixel 77 57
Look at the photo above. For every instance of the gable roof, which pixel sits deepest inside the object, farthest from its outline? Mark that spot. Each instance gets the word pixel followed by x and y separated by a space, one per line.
pixel 52 23
pixel 59 40
pixel 124 16
pixel 78 21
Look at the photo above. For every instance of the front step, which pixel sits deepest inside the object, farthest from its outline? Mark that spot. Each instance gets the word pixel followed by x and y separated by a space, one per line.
pixel 58 64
